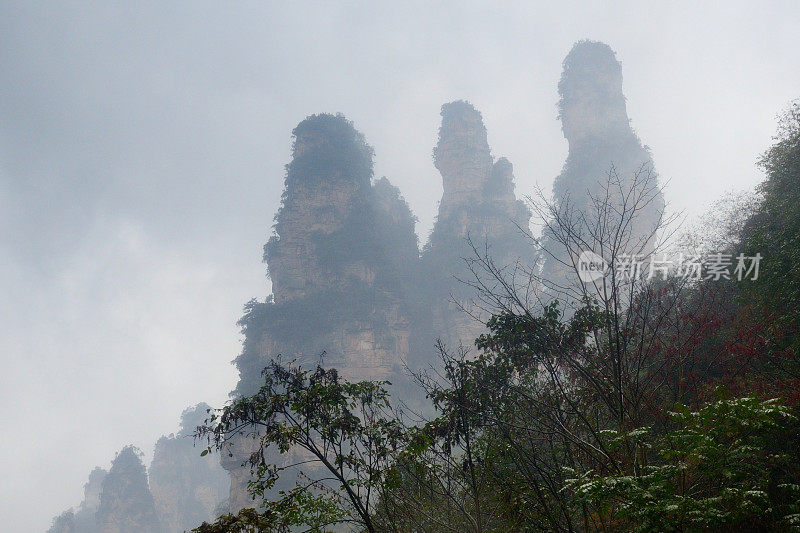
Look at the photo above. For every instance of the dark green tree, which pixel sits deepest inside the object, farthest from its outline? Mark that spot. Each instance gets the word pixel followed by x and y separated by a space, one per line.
pixel 730 466
pixel 345 435
pixel 774 232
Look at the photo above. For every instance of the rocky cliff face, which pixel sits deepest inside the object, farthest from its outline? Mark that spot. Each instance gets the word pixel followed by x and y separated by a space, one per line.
pixel 342 256
pixel 595 122
pixel 346 272
pixel 126 504
pixel 478 205
pixel 342 252
pixel 186 488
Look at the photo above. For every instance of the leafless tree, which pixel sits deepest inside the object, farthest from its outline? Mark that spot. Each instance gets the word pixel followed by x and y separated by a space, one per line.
pixel 572 364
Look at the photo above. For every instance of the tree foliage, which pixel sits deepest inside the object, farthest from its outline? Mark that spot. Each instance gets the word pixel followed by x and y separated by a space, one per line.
pixel 774 231
pixel 341 433
pixel 728 467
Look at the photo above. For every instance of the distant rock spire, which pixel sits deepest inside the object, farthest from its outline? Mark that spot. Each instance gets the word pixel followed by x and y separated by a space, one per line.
pixel 339 260
pixel 326 185
pixel 479 205
pixel 126 504
pixel 595 123
pixel 186 487
pixel 591 103
pixel 462 156
pixel 83 520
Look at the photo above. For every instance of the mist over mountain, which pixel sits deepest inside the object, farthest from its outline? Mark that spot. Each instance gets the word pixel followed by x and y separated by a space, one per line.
pixel 410 268
pixel 353 290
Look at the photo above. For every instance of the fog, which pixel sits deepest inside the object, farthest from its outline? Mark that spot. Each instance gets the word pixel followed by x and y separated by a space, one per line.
pixel 142 154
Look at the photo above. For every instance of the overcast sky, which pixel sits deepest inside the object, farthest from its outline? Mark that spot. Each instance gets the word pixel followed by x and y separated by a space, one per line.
pixel 141 163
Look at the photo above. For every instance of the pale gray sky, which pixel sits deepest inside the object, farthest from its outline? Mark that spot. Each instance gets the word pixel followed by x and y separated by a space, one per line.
pixel 141 161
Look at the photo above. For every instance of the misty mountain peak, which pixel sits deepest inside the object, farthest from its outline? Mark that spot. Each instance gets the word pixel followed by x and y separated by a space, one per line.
pixel 462 155
pixel 591 99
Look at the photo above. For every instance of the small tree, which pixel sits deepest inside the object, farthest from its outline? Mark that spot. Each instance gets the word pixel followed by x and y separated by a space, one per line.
pixel 345 432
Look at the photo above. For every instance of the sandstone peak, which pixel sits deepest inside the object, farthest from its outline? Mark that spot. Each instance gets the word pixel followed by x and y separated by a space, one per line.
pixel 462 155
pixel 334 140
pixel 327 183
pixel 185 486
pixel 126 504
pixel 602 146
pixel 592 102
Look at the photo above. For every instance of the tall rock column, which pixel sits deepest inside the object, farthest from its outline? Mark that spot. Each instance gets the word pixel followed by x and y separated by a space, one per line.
pixel 342 256
pixel 126 504
pixel 462 157
pixel 478 205
pixel 595 122
pixel 186 487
